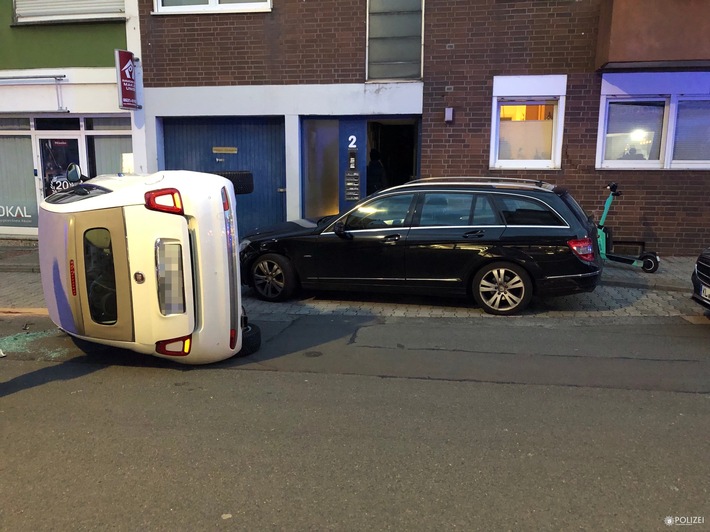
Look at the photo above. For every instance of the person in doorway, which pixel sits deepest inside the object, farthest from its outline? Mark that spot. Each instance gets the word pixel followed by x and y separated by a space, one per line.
pixel 376 177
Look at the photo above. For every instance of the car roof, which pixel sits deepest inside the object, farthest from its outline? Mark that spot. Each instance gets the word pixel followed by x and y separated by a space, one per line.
pixel 480 182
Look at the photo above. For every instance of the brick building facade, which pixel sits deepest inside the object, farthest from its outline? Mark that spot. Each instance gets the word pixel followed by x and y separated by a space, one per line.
pixel 229 65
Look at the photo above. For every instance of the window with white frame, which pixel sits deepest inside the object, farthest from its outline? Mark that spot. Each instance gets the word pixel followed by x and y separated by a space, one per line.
pixel 394 39
pixel 652 120
pixel 47 11
pixel 528 117
pixel 211 6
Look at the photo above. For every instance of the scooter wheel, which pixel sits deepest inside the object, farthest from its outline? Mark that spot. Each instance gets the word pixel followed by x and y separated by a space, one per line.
pixel 650 262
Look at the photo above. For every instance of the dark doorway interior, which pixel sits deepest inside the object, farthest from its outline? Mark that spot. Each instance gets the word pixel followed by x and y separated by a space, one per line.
pixel 398 142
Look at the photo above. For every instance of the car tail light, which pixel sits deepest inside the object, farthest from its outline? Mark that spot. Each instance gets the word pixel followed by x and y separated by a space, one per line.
pixel 164 200
pixel 583 248
pixel 177 347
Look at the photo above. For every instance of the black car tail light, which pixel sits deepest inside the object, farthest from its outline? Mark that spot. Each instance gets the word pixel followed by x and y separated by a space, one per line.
pixel 583 248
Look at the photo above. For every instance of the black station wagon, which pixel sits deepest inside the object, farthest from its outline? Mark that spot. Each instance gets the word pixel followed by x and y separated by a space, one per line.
pixel 497 240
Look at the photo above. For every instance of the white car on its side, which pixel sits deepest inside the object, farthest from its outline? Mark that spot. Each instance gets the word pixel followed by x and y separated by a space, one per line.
pixel 147 263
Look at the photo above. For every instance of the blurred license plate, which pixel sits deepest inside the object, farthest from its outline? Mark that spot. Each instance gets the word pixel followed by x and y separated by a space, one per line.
pixel 705 292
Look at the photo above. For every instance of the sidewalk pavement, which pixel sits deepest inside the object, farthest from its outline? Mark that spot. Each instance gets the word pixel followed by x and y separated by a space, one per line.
pixel 21 290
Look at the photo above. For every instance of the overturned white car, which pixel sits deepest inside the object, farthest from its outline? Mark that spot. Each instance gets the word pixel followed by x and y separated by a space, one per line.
pixel 147 263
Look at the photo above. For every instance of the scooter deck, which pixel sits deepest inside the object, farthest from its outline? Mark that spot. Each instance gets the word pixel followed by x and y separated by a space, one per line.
pixel 621 258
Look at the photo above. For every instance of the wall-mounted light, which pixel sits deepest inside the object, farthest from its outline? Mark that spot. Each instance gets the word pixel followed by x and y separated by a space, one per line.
pixel 449 114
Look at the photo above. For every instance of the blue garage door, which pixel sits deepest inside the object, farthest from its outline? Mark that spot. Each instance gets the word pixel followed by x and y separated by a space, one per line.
pixel 223 144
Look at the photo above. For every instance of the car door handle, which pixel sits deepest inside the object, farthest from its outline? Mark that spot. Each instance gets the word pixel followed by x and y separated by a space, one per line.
pixel 478 233
pixel 391 239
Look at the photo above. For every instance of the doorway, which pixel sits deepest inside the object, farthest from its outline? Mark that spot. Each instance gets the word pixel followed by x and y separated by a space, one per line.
pixel 336 152
pixel 397 142
pixel 55 155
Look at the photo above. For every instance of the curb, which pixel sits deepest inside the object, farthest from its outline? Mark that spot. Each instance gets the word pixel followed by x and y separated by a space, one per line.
pixel 647 286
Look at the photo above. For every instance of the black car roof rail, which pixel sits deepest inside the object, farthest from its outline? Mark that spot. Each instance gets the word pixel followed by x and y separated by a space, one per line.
pixel 486 181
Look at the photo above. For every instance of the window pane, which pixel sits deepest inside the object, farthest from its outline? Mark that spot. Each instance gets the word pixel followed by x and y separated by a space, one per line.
pixel 100 277
pixel 379 6
pixel 634 130
pixel 18 203
pixel 395 50
pixel 395 71
pixel 520 211
pixel 525 131
pixel 395 37
pixel 108 123
pixel 692 134
pixel 446 209
pixel 14 124
pixel 174 3
pixel 57 124
pixel 381 213
pixel 106 154
pixel 395 25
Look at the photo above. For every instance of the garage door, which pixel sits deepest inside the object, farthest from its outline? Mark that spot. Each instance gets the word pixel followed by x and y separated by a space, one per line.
pixel 228 144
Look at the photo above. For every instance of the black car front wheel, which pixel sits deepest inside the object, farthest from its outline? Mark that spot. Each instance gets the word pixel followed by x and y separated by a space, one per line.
pixel 273 277
pixel 502 288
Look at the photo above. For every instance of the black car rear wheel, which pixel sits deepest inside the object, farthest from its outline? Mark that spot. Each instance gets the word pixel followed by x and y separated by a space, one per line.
pixel 502 288
pixel 274 277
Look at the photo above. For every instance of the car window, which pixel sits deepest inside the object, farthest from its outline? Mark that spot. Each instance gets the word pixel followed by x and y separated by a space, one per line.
pixel 441 208
pixel 77 193
pixel 381 213
pixel 483 212
pixel 100 276
pixel 517 210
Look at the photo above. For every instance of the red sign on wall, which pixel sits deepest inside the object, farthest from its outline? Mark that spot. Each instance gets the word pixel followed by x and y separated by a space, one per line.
pixel 126 74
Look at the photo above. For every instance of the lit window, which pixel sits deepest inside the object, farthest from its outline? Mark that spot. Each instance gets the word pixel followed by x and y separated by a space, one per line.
pixel 528 114
pixel 669 130
pixel 394 39
pixel 211 6
pixel 634 130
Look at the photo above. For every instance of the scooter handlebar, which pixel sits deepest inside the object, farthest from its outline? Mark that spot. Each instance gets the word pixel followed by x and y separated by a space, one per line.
pixel 613 188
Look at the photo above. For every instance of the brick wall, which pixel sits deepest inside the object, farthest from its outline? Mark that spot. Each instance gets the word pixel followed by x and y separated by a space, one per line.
pixel 299 42
pixel 467 43
pixel 463 52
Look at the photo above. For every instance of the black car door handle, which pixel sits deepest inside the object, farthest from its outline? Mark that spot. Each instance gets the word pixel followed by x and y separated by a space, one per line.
pixel 478 233
pixel 390 239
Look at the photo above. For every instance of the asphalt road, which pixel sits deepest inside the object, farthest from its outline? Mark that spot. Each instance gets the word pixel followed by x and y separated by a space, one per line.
pixel 364 423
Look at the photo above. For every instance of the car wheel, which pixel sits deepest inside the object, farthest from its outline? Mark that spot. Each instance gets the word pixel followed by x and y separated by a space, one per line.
pixel 650 262
pixel 502 288
pixel 274 277
pixel 251 340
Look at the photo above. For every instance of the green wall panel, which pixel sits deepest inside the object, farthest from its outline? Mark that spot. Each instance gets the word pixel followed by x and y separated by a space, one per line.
pixel 58 45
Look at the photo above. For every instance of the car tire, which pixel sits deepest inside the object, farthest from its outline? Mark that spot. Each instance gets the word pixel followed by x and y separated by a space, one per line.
pixel 273 277
pixel 251 340
pixel 502 288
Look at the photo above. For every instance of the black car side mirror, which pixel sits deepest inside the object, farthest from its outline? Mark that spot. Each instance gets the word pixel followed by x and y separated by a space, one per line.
pixel 339 229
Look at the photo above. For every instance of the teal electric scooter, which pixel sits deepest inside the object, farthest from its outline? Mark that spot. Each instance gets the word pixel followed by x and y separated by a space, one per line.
pixel 648 261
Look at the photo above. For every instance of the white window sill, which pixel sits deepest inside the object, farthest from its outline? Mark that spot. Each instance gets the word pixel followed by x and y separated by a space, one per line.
pixel 532 164
pixel 210 11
